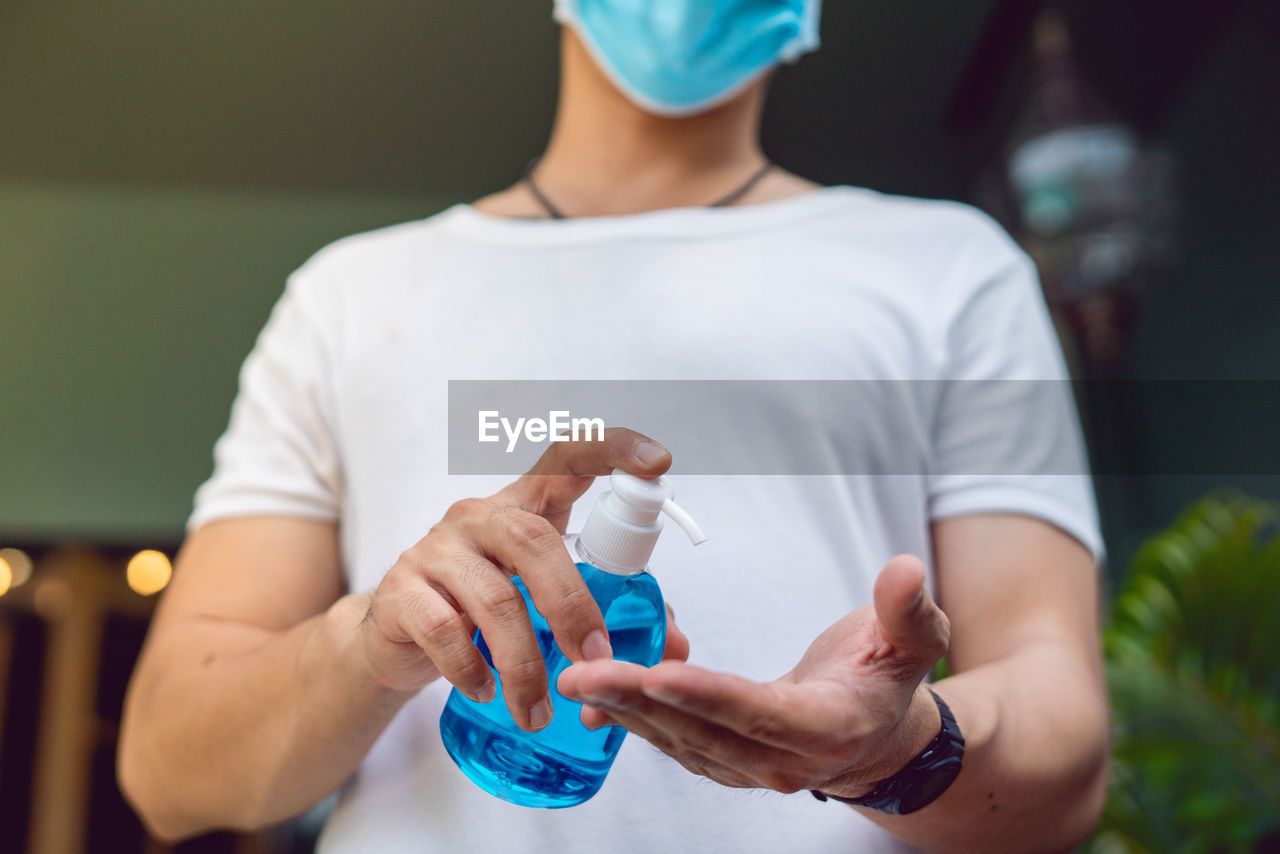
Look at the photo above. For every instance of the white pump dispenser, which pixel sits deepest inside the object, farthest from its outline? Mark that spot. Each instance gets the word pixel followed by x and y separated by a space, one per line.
pixel 625 523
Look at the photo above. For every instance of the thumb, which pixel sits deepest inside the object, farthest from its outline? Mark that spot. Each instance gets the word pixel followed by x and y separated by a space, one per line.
pixel 910 621
pixel 565 471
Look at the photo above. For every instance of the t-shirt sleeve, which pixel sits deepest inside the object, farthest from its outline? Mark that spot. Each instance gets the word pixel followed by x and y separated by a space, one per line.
pixel 1006 434
pixel 279 454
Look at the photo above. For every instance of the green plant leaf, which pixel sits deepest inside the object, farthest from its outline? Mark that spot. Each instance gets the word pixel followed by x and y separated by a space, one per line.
pixel 1193 665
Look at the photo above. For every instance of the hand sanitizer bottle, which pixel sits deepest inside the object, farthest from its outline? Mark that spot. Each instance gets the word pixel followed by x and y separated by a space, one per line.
pixel 565 763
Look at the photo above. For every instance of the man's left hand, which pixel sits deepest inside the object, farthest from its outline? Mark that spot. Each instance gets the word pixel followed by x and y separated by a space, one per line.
pixel 852 712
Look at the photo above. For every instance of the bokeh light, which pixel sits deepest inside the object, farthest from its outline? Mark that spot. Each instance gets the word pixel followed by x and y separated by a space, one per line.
pixel 6 576
pixel 20 565
pixel 148 572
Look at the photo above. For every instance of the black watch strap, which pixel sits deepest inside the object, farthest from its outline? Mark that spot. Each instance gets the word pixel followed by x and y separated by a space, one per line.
pixel 921 780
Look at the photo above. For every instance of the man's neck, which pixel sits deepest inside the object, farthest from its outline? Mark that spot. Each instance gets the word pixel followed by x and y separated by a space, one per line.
pixel 607 156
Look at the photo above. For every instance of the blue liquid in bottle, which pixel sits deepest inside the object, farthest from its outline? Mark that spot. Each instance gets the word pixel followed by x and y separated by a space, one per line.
pixel 565 763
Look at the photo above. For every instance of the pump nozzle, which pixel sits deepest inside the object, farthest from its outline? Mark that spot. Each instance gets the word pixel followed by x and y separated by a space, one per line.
pixel 623 526
pixel 682 518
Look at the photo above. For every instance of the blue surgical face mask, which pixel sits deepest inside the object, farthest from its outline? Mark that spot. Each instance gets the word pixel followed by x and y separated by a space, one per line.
pixel 679 57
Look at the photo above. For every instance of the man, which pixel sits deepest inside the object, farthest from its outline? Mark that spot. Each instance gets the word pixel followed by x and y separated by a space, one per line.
pixel 265 685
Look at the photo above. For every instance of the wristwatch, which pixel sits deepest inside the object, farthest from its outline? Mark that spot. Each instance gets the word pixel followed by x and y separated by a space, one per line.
pixel 921 780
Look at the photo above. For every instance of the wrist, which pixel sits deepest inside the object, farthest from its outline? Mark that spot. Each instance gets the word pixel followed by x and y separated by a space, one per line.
pixel 899 744
pixel 352 642
pixel 923 778
pixel 914 731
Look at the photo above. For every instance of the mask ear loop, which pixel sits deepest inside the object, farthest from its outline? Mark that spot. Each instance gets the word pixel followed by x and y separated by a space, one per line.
pixel 555 213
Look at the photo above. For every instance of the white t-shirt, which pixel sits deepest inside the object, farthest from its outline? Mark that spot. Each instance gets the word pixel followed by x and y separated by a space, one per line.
pixel 342 411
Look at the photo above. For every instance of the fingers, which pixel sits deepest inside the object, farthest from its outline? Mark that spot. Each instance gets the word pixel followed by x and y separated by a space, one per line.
pixel 806 719
pixel 566 471
pixel 909 620
pixel 438 593
pixel 466 562
pixel 614 692
pixel 621 448
pixel 676 649
pixel 593 718
pixel 773 714
pixel 527 545
pixel 457 578
pixel 693 743
pixel 498 609
pixel 424 620
pixel 677 646
pixel 701 748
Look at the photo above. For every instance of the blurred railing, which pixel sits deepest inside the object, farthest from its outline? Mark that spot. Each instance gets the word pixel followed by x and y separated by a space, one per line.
pixel 72 622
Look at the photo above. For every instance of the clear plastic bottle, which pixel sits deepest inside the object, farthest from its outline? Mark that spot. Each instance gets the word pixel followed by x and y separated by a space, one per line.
pixel 565 763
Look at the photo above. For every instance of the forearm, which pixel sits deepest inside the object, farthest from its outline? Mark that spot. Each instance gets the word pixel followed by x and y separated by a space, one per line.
pixel 1035 762
pixel 234 726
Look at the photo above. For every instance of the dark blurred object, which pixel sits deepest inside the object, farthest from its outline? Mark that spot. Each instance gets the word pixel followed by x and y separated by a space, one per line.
pixel 1094 204
pixel 22 644
pixel 1194 672
pixel 1091 202
pixel 1141 55
pixel 1060 102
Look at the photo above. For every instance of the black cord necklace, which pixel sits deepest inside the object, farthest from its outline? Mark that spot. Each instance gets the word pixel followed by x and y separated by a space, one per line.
pixel 724 201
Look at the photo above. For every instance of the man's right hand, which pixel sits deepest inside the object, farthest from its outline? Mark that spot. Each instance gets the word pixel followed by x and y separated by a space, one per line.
pixel 422 617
